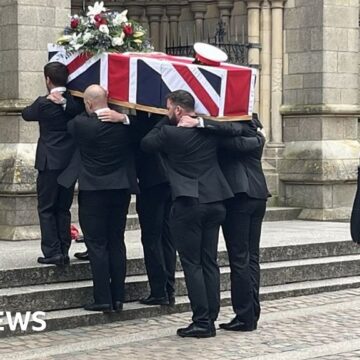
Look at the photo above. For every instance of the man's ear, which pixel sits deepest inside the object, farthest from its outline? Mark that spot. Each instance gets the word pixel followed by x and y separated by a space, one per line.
pixel 178 110
pixel 87 104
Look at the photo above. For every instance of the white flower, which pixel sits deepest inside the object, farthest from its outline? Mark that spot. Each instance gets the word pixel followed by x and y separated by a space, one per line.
pixel 76 42
pixel 96 9
pixel 118 41
pixel 104 29
pixel 87 36
pixel 77 46
pixel 120 18
pixel 75 38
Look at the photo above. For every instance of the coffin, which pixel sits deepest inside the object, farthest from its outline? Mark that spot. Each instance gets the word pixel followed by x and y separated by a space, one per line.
pixel 142 80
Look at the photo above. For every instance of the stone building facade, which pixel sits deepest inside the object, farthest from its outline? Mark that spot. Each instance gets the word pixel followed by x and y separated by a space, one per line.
pixel 307 95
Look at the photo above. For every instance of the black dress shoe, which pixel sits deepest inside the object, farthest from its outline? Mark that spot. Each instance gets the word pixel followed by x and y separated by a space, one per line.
pixel 106 308
pixel 237 325
pixel 56 260
pixel 194 330
pixel 82 255
pixel 151 300
pixel 118 306
pixel 66 260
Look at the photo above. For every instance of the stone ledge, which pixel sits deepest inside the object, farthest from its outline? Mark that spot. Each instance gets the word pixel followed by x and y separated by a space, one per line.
pixel 13 105
pixel 320 109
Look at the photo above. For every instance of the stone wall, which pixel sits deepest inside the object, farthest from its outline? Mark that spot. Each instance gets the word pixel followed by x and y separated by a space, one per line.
pixel 26 27
pixel 318 169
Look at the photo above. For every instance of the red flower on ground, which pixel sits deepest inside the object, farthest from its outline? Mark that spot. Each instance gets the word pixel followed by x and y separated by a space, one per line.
pixel 74 232
pixel 128 30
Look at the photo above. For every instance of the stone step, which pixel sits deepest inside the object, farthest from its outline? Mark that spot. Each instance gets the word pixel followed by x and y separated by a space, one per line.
pixel 66 295
pixel 273 213
pixel 71 318
pixel 281 213
pixel 80 270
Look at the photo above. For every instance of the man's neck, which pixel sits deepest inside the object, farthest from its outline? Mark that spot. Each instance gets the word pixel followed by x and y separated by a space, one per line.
pixel 99 108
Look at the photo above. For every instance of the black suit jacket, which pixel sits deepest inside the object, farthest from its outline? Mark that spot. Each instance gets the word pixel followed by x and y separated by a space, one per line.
pixel 55 146
pixel 150 167
pixel 191 160
pixel 240 161
pixel 106 155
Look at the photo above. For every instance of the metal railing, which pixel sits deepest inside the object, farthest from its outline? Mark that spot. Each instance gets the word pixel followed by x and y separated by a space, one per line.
pixel 237 53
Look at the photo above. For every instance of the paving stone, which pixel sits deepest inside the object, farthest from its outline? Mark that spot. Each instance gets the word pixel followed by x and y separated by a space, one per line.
pixel 322 327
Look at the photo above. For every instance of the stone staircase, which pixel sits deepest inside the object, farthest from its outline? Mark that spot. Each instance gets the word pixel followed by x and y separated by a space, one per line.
pixel 299 263
pixel 273 213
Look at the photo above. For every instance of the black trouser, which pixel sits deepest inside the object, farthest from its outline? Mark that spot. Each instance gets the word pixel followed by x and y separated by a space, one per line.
pixel 242 231
pixel 54 202
pixel 102 215
pixel 153 207
pixel 195 230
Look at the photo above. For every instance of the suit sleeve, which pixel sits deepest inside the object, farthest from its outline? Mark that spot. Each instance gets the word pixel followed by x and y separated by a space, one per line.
pixel 222 128
pixel 74 106
pixel 31 112
pixel 154 141
pixel 241 144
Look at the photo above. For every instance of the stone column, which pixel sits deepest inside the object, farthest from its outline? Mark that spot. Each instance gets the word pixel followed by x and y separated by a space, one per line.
pixel 265 80
pixel 321 109
pixel 173 12
pixel 135 10
pixel 26 29
pixel 154 12
pixel 225 7
pixel 270 155
pixel 276 71
pixel 198 9
pixel 253 8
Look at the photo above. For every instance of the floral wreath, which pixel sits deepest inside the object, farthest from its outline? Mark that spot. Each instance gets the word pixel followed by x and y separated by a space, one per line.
pixel 102 30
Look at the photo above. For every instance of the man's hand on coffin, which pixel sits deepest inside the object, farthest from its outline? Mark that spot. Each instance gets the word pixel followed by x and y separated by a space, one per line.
pixel 112 116
pixel 189 122
pixel 57 98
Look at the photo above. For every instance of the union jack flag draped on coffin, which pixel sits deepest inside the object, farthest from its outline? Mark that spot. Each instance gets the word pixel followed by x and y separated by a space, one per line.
pixel 142 80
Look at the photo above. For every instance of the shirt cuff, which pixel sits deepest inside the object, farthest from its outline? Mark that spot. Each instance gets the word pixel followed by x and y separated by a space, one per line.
pixel 127 120
pixel 201 122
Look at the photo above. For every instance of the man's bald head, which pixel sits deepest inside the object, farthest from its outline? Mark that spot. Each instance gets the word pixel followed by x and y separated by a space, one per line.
pixel 95 97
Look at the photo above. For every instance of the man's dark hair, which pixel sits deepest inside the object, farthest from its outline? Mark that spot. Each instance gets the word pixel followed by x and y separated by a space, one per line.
pixel 57 73
pixel 182 98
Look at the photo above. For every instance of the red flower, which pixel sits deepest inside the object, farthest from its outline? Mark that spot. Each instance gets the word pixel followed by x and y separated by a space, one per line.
pixel 99 20
pixel 74 23
pixel 74 232
pixel 128 30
